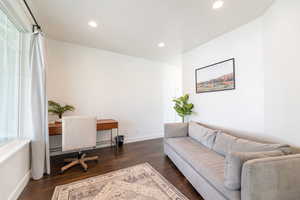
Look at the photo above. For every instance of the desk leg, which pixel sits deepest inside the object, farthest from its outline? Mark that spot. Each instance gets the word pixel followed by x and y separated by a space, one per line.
pixel 117 145
pixel 111 137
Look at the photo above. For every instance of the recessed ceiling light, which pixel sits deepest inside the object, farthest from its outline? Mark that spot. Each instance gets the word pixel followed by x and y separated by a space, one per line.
pixel 161 44
pixel 218 4
pixel 92 24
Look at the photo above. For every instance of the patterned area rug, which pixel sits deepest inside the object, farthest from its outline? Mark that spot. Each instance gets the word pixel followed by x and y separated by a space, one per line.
pixel 140 182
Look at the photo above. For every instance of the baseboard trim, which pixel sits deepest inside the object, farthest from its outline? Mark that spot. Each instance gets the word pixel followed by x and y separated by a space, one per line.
pixel 20 187
pixel 139 139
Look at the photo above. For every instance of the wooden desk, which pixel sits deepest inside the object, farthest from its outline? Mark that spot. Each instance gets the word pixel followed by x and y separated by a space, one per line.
pixel 102 125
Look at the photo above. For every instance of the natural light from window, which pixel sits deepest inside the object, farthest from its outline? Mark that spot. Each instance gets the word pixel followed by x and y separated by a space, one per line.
pixel 9 79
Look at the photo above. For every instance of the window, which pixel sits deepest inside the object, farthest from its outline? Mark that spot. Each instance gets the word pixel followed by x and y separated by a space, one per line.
pixel 9 78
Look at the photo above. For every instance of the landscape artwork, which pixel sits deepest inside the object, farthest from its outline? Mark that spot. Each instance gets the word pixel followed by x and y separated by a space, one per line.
pixel 216 77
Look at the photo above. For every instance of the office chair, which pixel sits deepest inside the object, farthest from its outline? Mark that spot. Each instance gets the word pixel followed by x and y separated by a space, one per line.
pixel 78 133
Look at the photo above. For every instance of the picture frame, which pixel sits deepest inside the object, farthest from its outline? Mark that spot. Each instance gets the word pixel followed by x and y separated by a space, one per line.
pixel 216 77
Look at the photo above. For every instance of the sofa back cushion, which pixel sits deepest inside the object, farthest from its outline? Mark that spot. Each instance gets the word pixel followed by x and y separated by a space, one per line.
pixel 242 145
pixel 202 134
pixel 234 163
pixel 223 143
pixel 226 143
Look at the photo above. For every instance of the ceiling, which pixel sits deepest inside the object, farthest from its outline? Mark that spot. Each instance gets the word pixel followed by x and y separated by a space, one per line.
pixel 135 27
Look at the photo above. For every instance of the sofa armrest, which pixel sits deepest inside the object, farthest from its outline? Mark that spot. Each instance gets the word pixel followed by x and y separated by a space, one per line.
pixel 176 130
pixel 275 178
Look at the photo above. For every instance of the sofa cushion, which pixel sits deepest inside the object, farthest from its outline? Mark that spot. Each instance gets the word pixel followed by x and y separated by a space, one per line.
pixel 242 145
pixel 223 143
pixel 205 162
pixel 234 163
pixel 202 134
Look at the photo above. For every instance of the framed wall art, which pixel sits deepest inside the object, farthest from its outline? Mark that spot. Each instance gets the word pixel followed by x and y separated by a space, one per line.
pixel 216 77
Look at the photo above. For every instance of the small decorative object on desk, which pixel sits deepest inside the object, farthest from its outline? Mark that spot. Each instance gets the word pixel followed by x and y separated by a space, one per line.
pixel 183 107
pixel 57 109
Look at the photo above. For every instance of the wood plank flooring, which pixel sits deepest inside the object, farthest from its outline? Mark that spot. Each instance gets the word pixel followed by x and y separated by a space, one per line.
pixel 150 151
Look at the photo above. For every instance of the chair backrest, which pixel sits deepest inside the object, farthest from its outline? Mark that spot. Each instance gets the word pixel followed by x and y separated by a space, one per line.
pixel 78 132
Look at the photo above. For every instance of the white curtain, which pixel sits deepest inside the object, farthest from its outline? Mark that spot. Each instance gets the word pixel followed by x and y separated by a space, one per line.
pixel 23 79
pixel 40 160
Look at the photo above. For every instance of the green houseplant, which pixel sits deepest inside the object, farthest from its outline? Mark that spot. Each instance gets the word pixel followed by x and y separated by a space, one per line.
pixel 183 107
pixel 57 109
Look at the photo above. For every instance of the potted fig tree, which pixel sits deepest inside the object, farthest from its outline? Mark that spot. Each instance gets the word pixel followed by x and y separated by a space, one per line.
pixel 183 107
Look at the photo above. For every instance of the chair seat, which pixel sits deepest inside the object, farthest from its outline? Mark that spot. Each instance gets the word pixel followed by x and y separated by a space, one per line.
pixel 79 133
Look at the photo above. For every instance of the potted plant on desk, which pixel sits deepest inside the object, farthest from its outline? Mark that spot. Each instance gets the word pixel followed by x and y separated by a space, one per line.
pixel 57 109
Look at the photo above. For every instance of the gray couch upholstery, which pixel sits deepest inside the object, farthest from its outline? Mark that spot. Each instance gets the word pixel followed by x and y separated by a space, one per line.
pixel 201 159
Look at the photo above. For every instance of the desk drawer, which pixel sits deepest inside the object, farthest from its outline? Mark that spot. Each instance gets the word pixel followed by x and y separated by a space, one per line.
pixel 107 126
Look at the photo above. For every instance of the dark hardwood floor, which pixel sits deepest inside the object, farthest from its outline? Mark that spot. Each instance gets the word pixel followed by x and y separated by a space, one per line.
pixel 150 151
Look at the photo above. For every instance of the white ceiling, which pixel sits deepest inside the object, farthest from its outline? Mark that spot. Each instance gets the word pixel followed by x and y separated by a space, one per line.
pixel 135 27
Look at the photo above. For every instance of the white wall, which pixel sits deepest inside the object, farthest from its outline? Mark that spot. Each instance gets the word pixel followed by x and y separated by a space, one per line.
pixel 282 69
pixel 266 102
pixel 135 91
pixel 242 109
